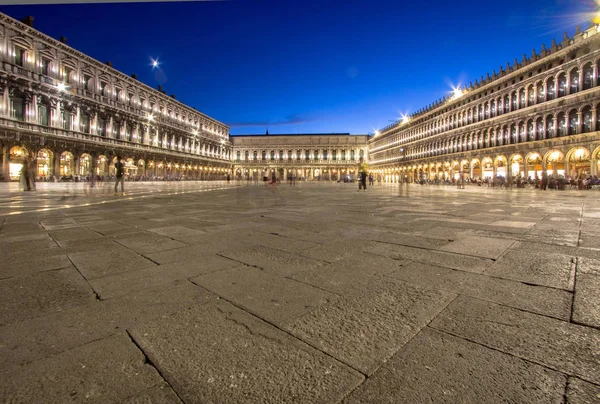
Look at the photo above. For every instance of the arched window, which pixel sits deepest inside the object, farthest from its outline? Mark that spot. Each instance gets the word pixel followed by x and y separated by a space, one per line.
pixel 255 155
pixel 17 104
pixel 493 107
pixel 588 76
pixel 551 89
pixel 84 123
pixel 522 99
pixel 575 85
pixel 272 155
pixel 562 85
pixel 587 119
pixel 573 122
pixel 325 154
pixel 531 95
pixel 514 101
pixel 237 156
pixel 506 103
pixel 43 114
pixel 549 127
pixel 513 134
pixel 264 155
pixel 522 132
pixel 539 132
pixel 487 110
pixel 530 131
pixel 562 124
pixel 541 96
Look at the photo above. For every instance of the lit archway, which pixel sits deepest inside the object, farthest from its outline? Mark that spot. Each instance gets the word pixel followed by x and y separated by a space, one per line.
pixel 500 163
pixel 533 165
pixel 555 162
pixel 517 168
pixel 44 161
pixel 17 157
pixel 85 164
pixel 66 164
pixel 579 163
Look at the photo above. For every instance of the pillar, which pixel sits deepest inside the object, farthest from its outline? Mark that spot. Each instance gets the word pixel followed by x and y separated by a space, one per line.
pixel 5 163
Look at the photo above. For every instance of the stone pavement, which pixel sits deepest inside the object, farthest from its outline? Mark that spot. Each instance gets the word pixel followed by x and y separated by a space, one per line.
pixel 317 293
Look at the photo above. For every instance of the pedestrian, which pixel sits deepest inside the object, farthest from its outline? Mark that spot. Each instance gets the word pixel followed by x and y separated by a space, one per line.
pixel 228 178
pixel 273 178
pixel 363 172
pixel 544 183
pixel 26 175
pixel 120 174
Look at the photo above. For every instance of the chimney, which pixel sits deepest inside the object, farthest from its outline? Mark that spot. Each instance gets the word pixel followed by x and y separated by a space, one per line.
pixel 172 96
pixel 63 40
pixel 28 21
pixel 134 76
pixel 160 88
pixel 109 64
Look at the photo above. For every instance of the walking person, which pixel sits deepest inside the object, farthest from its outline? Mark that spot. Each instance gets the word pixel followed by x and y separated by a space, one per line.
pixel 363 172
pixel 273 178
pixel 26 175
pixel 544 183
pixel 120 174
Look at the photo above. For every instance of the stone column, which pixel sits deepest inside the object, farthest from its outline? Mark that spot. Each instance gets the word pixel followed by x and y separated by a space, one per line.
pixel 5 163
pixel 595 120
pixel 579 122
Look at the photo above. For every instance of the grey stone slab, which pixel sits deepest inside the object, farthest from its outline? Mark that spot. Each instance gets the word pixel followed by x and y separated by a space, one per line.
pixel 108 370
pixel 30 296
pixel 36 235
pixel 269 296
pixel 444 233
pixel 547 301
pixel 409 240
pixel 580 392
pixel 437 367
pixel 75 233
pixel 484 247
pixel 176 232
pixel 340 249
pixel 545 269
pixel 279 262
pixel 88 244
pixel 365 329
pixel 15 228
pixel 107 261
pixel 555 249
pixel 349 274
pixel 123 283
pixel 589 240
pixel 440 258
pixel 568 348
pixel 45 336
pixel 255 362
pixel 586 304
pixel 148 243
pixel 26 246
pixel 37 265
pixel 279 242
pixel 110 228
pixel 159 394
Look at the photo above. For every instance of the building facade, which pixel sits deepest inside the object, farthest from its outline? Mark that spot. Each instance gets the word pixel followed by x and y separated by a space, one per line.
pixel 72 115
pixel 540 114
pixel 328 157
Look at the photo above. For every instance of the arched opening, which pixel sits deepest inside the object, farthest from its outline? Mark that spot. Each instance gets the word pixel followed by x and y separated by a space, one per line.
pixel 555 162
pixel 551 88
pixel 539 129
pixel 534 166
pixel 475 169
pixel 549 126
pixel 102 165
pixel 588 76
pixel 488 168
pixel 579 165
pixel 141 164
pixel 562 85
pixel 44 166
pixel 85 164
pixel 131 168
pixel 464 172
pixel 516 166
pixel 573 121
pixel 17 157
pixel 500 167
pixel 562 124
pixel 66 164
pixel 587 119
pixel 574 79
pixel 541 95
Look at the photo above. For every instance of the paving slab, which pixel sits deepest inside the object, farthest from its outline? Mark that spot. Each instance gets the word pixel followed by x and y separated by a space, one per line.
pixel 176 232
pixel 108 287
pixel 350 274
pixel 148 243
pixel 255 362
pixel 41 293
pixel 484 247
pixel 565 347
pixel 580 392
pixel 440 258
pixel 26 246
pixel 264 294
pixel 48 335
pixel 75 233
pixel 536 299
pixel 37 265
pixel 586 307
pixel 35 235
pixel 537 268
pixel 159 394
pixel 108 370
pixel 437 367
pixel 107 261
pixel 590 240
pixel 280 262
pixel 365 329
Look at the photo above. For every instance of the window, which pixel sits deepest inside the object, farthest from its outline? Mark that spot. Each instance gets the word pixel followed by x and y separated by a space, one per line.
pixel 272 155
pixel 67 74
pixel 264 155
pixel 19 56
pixel 86 81
pixel 343 155
pixel 247 155
pixel 45 66
pixel 142 102
pixel 316 155
pixel 101 127
pixel 151 106
pixel 103 89
pixel 352 156
pixel 43 114
pixel 237 156
pixel 255 156
pixel 116 128
pixel 84 123
pixel 289 155
pixel 65 118
pixel 574 81
pixel 280 154
pixel 129 98
pixel 18 108
pixel 306 154
pixel 333 155
pixel 118 94
pixel 324 154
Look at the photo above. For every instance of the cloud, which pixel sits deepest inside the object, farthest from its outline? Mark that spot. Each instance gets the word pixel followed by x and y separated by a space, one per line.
pixel 291 120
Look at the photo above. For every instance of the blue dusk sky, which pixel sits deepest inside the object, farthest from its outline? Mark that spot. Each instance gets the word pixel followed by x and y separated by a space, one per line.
pixel 309 66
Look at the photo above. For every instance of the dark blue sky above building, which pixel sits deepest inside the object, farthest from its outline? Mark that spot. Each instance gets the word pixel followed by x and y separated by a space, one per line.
pixel 298 66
